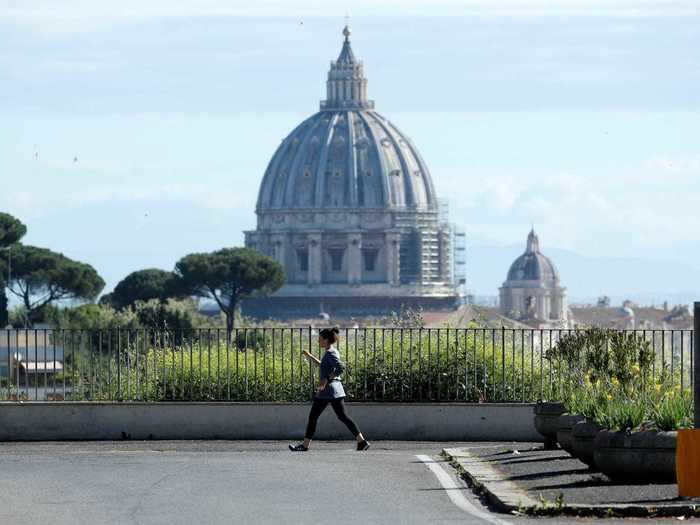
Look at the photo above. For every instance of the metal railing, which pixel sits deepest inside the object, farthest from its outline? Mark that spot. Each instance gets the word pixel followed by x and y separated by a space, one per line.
pixel 266 364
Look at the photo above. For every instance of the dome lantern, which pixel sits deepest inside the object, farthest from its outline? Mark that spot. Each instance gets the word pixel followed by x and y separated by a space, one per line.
pixel 533 242
pixel 346 87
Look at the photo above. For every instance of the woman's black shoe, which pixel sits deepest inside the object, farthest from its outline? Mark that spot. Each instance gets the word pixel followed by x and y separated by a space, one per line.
pixel 363 445
pixel 300 448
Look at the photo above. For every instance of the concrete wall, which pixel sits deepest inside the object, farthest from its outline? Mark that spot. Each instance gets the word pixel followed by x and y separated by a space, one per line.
pixel 41 421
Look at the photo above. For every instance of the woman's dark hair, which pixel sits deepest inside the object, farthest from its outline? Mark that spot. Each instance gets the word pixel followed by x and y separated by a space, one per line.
pixel 330 334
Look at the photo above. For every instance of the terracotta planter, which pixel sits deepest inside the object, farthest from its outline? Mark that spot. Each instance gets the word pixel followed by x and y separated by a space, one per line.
pixel 582 436
pixel 547 421
pixel 566 423
pixel 645 455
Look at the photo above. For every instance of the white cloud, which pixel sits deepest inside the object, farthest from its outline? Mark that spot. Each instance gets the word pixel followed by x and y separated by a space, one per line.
pixel 639 206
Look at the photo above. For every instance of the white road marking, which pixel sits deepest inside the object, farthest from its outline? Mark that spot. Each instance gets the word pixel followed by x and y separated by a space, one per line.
pixel 454 491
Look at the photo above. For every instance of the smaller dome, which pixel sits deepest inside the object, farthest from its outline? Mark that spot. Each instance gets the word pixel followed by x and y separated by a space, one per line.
pixel 533 265
pixel 626 311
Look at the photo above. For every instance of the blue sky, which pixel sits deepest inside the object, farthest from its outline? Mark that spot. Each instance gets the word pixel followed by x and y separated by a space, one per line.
pixel 579 117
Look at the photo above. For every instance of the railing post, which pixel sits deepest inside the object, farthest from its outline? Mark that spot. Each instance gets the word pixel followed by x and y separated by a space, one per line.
pixel 696 362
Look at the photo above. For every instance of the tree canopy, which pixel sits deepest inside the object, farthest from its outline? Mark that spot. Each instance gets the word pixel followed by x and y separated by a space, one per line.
pixel 145 285
pixel 41 277
pixel 11 231
pixel 229 275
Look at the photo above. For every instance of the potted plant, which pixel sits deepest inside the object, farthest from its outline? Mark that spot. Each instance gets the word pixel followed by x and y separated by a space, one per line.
pixel 574 357
pixel 630 449
pixel 641 435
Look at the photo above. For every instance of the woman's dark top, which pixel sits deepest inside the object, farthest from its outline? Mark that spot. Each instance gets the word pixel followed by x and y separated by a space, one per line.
pixel 331 364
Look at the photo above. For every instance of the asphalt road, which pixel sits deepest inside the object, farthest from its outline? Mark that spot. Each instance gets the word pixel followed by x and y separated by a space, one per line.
pixel 216 482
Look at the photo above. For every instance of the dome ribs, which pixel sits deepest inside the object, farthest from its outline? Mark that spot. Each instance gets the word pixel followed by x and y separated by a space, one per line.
pixel 381 160
pixel 408 195
pixel 323 162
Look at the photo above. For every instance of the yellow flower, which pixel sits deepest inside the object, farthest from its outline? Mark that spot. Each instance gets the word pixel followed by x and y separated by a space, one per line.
pixel 609 397
pixel 615 382
pixel 657 387
pixel 636 369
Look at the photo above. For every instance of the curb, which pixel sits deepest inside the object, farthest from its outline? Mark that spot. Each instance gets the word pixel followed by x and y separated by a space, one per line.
pixel 507 497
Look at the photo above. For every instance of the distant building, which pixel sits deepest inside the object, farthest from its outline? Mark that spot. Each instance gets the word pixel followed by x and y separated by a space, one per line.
pixel 30 357
pixel 532 292
pixel 347 206
pixel 632 317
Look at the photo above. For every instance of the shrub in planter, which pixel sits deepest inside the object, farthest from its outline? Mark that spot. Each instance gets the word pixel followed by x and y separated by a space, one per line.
pixel 583 433
pixel 640 442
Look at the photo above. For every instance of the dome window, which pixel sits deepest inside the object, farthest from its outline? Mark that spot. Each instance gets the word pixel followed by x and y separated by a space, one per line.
pixel 369 173
pixel 370 259
pixel 337 173
pixel 307 172
pixel 336 255
pixel 417 173
pixel 395 173
pixel 303 260
pixel 386 143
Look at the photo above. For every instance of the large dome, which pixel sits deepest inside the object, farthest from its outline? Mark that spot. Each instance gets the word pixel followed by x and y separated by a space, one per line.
pixel 347 207
pixel 347 155
pixel 533 265
pixel 355 158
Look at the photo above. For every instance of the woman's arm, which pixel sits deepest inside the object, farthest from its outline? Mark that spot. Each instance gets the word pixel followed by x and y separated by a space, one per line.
pixel 312 358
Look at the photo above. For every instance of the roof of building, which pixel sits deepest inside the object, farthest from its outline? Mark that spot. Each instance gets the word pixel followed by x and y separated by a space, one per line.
pixel 533 265
pixel 465 315
pixel 347 155
pixel 647 317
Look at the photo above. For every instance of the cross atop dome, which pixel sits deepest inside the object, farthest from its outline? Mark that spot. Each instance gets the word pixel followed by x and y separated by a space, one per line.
pixel 346 54
pixel 346 87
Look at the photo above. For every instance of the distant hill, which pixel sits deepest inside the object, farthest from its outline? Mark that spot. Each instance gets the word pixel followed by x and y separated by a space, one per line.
pixel 644 281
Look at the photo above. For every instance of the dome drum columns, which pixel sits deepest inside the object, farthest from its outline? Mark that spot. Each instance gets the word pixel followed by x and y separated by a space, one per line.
pixel 315 258
pixel 393 243
pixel 354 259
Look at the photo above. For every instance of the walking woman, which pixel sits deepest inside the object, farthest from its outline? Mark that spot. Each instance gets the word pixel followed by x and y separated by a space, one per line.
pixel 330 390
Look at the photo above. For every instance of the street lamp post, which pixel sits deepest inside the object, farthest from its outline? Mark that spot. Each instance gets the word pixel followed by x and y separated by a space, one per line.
pixel 696 363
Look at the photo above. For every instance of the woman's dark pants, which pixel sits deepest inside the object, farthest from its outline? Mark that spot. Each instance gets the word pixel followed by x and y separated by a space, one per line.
pixel 317 409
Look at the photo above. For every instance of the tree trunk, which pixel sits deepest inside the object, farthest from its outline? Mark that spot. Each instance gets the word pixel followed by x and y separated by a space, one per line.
pixel 230 318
